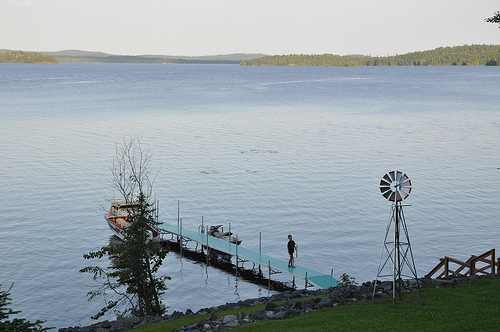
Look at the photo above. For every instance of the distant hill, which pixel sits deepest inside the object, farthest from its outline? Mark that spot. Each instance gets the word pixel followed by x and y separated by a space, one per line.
pixel 85 56
pixel 76 53
pixel 222 57
pixel 467 55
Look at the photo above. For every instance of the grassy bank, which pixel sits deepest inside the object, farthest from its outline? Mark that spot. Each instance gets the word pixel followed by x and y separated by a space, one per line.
pixel 474 306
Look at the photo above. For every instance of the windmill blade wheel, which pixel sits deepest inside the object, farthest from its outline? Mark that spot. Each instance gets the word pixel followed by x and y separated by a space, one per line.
pixel 395 186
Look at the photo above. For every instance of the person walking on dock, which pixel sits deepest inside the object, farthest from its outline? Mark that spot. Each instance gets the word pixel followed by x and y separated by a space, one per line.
pixel 291 249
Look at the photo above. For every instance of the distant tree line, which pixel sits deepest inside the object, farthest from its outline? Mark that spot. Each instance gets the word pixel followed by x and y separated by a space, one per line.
pixel 467 55
pixel 26 57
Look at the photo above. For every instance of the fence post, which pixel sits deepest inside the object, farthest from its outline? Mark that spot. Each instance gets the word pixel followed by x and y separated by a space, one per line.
pixel 493 261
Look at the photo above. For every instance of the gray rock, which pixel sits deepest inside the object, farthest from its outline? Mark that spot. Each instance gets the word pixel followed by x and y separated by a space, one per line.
pixel 325 301
pixel 204 321
pixel 257 315
pixel 106 324
pixel 270 306
pixel 177 314
pixel 231 325
pixel 279 315
pixel 228 318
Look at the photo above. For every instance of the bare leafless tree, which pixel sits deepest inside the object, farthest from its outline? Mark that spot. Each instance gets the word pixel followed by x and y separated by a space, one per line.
pixel 132 276
pixel 132 171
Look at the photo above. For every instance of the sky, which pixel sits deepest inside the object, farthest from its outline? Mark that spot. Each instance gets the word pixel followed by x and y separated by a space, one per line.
pixel 210 27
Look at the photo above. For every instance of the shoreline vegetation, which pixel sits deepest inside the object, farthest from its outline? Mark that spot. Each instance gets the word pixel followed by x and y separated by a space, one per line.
pixel 26 57
pixel 453 303
pixel 466 55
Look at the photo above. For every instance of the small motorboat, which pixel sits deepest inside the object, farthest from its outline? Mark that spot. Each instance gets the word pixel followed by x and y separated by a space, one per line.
pixel 220 234
pixel 121 216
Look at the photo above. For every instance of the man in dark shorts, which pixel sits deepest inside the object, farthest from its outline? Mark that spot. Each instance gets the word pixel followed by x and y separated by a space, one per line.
pixel 291 249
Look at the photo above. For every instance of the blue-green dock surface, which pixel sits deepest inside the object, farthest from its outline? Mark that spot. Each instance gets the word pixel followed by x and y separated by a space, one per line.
pixel 316 278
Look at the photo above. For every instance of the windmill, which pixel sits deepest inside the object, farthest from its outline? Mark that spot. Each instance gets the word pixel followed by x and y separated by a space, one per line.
pixel 396 252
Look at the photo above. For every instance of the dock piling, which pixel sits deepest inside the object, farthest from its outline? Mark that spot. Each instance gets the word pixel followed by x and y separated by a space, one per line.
pixel 236 250
pixel 269 279
pixel 208 248
pixel 260 242
pixel 260 251
pixel 180 232
pixel 178 216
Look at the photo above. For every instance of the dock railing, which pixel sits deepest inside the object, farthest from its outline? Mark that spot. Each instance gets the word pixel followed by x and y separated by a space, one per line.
pixel 474 265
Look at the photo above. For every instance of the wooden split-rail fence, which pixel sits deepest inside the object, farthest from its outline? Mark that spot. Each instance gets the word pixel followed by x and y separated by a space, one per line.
pixel 482 264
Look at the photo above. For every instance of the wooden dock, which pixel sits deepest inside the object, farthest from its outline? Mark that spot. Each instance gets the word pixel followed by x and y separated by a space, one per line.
pixel 273 264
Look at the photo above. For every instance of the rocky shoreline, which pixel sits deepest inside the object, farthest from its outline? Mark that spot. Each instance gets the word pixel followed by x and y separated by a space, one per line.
pixel 335 296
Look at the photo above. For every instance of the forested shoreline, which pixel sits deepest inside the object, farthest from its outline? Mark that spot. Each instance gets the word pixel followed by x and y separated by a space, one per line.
pixel 26 57
pixel 467 55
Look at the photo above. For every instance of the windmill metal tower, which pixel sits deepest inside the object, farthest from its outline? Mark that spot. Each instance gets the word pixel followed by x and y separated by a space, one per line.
pixel 396 252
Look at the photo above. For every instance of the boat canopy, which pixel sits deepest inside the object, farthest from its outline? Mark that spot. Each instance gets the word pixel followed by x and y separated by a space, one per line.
pixel 124 206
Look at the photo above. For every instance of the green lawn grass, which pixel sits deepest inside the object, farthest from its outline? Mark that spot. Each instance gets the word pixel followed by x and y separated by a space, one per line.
pixel 474 306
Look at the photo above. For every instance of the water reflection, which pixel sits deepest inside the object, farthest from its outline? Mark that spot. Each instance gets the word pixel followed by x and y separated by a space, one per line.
pixel 114 240
pixel 236 289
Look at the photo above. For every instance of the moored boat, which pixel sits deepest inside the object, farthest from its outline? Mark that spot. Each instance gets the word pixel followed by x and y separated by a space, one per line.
pixel 220 234
pixel 121 215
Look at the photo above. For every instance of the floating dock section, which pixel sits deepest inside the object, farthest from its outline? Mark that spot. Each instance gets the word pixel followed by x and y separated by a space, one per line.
pixel 274 265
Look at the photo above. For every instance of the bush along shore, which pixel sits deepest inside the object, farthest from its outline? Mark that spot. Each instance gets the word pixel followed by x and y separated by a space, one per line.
pixel 276 307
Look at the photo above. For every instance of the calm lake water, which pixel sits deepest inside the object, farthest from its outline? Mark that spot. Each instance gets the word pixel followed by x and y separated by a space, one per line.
pixel 291 150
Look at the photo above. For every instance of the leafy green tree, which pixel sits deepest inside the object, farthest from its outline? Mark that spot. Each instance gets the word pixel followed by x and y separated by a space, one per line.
pixel 17 324
pixel 494 19
pixel 347 280
pixel 132 275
